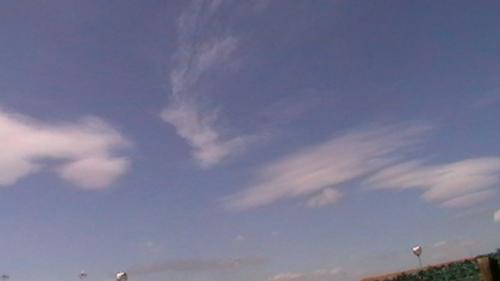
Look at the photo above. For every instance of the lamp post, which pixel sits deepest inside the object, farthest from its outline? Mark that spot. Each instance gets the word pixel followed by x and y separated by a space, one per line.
pixel 82 275
pixel 121 276
pixel 417 251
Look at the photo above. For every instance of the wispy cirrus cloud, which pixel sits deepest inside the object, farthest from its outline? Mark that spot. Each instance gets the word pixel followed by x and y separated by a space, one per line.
pixel 470 199
pixel 496 216
pixel 84 152
pixel 200 51
pixel 326 197
pixel 316 170
pixel 490 98
pixel 198 265
pixel 379 157
pixel 317 275
pixel 459 184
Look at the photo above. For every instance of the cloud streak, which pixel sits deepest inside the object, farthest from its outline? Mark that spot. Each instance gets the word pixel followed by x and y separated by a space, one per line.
pixel 315 170
pixel 198 53
pixel 326 197
pixel 459 184
pixel 318 275
pixel 377 156
pixel 84 152
pixel 198 265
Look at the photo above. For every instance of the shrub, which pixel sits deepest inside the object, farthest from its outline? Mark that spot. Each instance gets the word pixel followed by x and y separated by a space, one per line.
pixel 466 271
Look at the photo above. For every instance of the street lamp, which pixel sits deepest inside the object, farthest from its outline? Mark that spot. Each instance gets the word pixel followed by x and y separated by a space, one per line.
pixel 82 275
pixel 417 251
pixel 121 276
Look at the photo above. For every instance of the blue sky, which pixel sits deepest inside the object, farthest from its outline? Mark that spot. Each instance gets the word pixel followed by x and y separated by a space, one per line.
pixel 246 140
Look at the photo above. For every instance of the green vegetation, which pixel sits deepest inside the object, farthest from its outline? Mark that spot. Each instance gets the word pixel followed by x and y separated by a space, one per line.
pixel 466 271
pixel 461 271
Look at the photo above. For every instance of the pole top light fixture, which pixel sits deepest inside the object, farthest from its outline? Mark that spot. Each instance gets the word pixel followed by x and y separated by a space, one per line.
pixel 82 275
pixel 417 250
pixel 121 276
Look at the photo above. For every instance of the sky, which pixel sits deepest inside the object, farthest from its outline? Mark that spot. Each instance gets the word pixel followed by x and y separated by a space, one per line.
pixel 264 140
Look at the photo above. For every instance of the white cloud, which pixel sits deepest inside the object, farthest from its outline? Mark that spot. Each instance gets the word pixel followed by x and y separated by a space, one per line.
pixel 470 199
pixel 94 172
pixel 317 275
pixel 326 165
pixel 496 216
pixel 458 184
pixel 195 56
pixel 326 197
pixel 83 151
pixel 199 131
